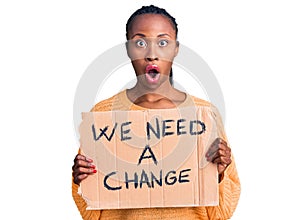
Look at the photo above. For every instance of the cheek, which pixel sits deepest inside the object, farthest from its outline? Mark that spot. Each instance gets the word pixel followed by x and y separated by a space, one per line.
pixel 165 67
pixel 138 66
pixel 166 53
pixel 136 55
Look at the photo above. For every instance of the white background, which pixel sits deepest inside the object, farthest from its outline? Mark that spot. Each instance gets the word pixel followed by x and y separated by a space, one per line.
pixel 251 46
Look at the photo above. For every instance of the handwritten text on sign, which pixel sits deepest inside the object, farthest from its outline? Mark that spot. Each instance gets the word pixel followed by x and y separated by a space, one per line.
pixel 152 158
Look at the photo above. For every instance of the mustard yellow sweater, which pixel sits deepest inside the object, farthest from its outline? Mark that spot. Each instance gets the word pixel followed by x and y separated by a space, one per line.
pixel 229 187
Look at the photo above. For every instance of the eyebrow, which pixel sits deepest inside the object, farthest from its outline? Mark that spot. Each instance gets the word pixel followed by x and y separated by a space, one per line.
pixel 143 35
pixel 163 35
pixel 139 34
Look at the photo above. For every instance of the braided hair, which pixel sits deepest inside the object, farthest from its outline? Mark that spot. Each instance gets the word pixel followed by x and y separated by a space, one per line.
pixel 151 9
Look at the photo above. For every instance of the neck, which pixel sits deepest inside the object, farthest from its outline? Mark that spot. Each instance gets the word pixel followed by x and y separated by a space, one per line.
pixel 149 94
pixel 164 96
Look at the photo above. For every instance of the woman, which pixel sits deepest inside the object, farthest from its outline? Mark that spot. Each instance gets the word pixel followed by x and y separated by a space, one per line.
pixel 152 45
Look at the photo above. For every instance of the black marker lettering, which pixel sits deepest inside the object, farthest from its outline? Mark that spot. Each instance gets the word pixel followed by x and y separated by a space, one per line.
pixel 135 180
pixel 147 148
pixel 181 176
pixel 158 181
pixel 165 127
pixel 144 179
pixel 171 178
pixel 156 133
pixel 123 132
pixel 179 132
pixel 103 132
pixel 108 186
pixel 192 132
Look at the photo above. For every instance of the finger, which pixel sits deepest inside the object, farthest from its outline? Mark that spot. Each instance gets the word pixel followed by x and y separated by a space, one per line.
pixel 82 161
pixel 82 157
pixel 222 151
pixel 79 157
pixel 221 168
pixel 216 145
pixel 222 160
pixel 82 164
pixel 217 154
pixel 79 178
pixel 219 141
pixel 222 165
pixel 82 172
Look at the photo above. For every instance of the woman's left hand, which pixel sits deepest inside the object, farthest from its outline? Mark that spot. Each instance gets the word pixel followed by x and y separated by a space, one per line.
pixel 220 154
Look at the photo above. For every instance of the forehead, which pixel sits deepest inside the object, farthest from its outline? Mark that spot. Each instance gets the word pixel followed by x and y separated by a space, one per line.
pixel 151 24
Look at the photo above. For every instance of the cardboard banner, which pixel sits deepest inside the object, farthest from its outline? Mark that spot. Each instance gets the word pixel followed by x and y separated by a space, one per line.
pixel 151 158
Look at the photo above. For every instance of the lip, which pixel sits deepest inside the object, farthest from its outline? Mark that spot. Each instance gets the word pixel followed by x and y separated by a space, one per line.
pixel 149 77
pixel 151 67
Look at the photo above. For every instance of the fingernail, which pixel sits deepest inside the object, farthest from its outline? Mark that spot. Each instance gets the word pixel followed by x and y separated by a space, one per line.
pixel 94 171
pixel 91 165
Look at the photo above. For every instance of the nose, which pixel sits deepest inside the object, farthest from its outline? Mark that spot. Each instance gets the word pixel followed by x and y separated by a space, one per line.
pixel 151 54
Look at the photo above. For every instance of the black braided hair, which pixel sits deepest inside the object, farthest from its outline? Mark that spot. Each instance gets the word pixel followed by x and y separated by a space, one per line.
pixel 151 9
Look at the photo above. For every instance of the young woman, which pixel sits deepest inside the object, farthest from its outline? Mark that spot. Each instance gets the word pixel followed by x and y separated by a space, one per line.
pixel 152 45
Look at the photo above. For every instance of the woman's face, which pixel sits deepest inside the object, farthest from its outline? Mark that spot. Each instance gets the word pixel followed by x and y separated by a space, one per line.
pixel 152 47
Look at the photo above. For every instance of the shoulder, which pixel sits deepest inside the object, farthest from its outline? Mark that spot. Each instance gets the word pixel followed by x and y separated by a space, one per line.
pixel 200 102
pixel 108 104
pixel 204 104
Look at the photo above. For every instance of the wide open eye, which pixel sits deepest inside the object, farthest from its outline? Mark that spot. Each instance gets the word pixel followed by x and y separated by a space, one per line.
pixel 141 43
pixel 163 43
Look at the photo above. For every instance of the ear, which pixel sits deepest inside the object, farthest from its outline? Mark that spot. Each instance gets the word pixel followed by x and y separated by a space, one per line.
pixel 176 49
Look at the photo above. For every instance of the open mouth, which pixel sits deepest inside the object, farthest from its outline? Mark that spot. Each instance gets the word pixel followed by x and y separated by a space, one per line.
pixel 152 70
pixel 152 73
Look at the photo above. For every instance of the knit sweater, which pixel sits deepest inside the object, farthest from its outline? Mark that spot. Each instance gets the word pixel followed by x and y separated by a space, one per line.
pixel 229 186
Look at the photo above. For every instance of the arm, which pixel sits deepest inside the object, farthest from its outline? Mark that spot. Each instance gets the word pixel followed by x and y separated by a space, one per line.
pixel 229 193
pixel 82 168
pixel 80 171
pixel 81 205
pixel 229 183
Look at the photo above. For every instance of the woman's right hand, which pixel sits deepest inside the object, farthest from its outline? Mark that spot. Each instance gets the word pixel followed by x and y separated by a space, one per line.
pixel 82 168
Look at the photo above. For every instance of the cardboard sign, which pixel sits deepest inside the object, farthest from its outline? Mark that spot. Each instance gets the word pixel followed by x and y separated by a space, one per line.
pixel 151 158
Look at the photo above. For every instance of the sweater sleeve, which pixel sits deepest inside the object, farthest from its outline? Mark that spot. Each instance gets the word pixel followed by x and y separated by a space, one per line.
pixel 229 187
pixel 81 205
pixel 79 201
pixel 229 193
